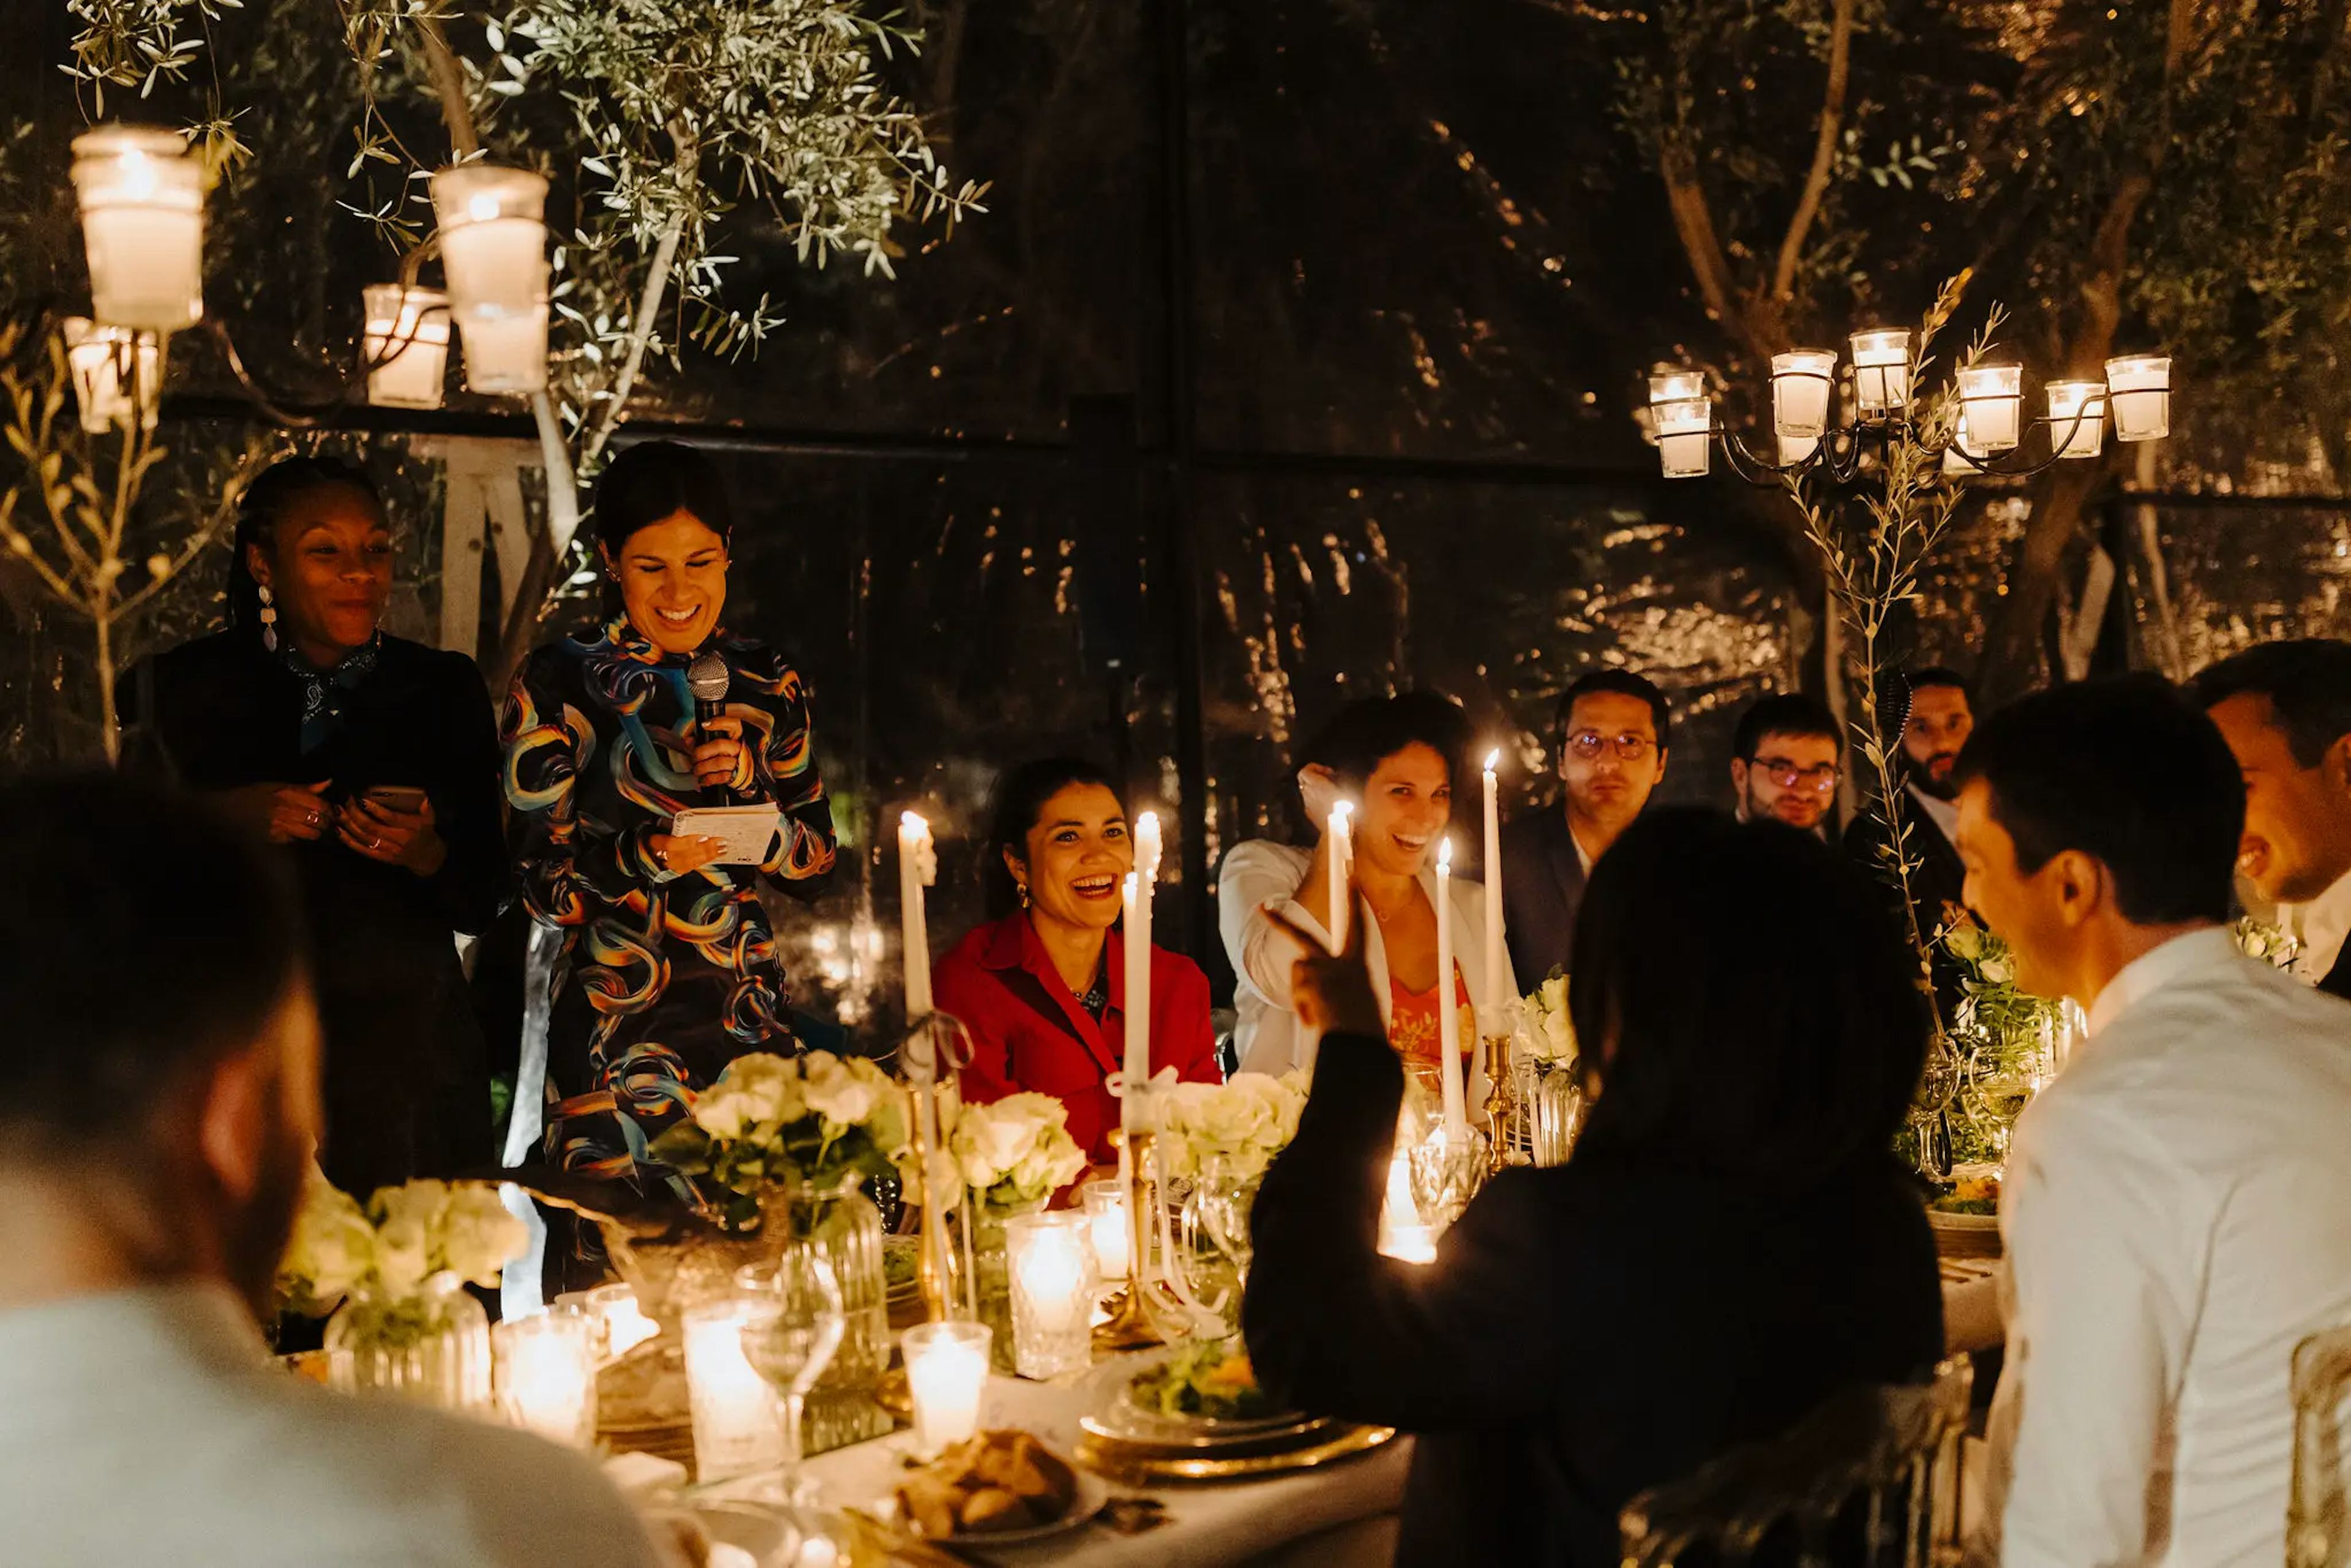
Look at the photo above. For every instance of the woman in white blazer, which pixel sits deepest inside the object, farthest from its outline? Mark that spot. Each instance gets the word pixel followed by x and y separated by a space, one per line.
pixel 1396 759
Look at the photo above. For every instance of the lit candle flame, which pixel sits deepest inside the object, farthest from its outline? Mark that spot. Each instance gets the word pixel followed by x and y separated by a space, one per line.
pixel 1445 854
pixel 1493 759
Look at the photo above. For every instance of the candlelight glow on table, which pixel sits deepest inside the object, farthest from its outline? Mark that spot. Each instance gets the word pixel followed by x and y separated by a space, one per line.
pixel 1107 1227
pixel 143 224
pixel 946 1368
pixel 546 1367
pixel 1402 1234
pixel 1054 1290
pixel 620 1324
pixel 737 1418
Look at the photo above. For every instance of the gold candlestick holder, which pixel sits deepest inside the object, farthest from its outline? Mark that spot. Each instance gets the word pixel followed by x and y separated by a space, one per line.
pixel 1501 1103
pixel 1129 1326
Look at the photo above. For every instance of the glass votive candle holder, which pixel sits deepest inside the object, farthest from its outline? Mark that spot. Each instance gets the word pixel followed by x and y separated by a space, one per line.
pixel 546 1374
pixel 111 367
pixel 1053 1290
pixel 738 1421
pixel 407 345
pixel 1801 381
pixel 1108 1227
pixel 1881 370
pixel 2140 388
pixel 2077 418
pixel 493 252
pixel 946 1369
pixel 1682 418
pixel 1992 404
pixel 142 225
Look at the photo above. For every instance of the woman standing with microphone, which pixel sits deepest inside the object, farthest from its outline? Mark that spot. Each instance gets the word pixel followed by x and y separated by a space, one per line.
pixel 669 968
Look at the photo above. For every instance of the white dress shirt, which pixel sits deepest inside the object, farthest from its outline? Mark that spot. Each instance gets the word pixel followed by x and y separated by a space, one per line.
pixel 2320 925
pixel 2178 1217
pixel 150 1426
pixel 1254 873
pixel 1269 1037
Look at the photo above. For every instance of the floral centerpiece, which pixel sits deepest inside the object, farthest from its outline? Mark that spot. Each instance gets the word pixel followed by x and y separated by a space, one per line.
pixel 1015 1152
pixel 398 1266
pixel 1236 1126
pixel 2005 1038
pixel 385 1254
pixel 813 1120
pixel 1550 1032
pixel 783 1144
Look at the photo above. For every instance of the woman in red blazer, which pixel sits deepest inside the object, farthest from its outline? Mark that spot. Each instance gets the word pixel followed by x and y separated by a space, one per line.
pixel 1042 989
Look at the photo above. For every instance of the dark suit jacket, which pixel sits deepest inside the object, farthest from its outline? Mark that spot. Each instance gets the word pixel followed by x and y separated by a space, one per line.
pixel 1940 879
pixel 1542 888
pixel 2338 979
pixel 1586 1332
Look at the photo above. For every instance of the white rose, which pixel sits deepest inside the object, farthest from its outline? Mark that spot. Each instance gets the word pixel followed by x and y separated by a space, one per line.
pixel 1995 972
pixel 841 1096
pixel 408 1221
pixel 723 1110
pixel 478 1237
pixel 332 1247
pixel 769 1087
pixel 1552 994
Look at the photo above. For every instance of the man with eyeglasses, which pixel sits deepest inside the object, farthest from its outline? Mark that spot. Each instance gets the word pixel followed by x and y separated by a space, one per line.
pixel 1613 733
pixel 1784 762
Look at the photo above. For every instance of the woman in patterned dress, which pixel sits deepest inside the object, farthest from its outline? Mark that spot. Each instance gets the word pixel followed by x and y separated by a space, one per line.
pixel 669 968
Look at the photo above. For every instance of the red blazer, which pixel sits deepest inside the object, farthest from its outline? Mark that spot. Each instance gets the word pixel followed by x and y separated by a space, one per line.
pixel 999 983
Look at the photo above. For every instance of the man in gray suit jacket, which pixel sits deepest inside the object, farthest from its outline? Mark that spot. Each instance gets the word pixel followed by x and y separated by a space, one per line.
pixel 1613 731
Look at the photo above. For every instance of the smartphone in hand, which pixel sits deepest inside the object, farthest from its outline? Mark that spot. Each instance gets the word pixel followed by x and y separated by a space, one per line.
pixel 405 797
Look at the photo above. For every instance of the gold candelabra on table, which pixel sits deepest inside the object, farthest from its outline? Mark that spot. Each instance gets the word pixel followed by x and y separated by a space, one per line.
pixel 1501 1103
pixel 1129 1326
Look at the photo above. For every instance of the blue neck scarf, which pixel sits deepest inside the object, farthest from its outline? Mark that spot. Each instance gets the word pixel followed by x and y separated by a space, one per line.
pixel 324 692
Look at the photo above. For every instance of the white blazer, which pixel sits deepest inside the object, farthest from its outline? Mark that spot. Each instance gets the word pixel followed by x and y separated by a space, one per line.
pixel 1269 1037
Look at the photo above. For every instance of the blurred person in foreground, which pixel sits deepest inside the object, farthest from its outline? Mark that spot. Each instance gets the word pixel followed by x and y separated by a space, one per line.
pixel 2284 708
pixel 2177 1211
pixel 1785 760
pixel 1613 729
pixel 1730 1244
pixel 153 1152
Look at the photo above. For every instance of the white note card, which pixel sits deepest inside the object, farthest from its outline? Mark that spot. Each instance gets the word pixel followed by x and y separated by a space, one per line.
pixel 746 831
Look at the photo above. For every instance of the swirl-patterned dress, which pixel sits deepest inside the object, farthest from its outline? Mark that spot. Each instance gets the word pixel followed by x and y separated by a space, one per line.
pixel 663 979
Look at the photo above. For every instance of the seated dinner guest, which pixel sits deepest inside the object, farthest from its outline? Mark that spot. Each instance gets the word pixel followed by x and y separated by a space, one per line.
pixel 1395 758
pixel 669 968
pixel 1784 762
pixel 149 1169
pixel 2284 708
pixel 1613 729
pixel 2176 1211
pixel 373 760
pixel 1041 988
pixel 1730 1244
pixel 1258 872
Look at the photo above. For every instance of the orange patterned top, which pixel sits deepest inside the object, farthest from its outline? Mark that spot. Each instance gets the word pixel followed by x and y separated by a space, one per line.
pixel 1413 1024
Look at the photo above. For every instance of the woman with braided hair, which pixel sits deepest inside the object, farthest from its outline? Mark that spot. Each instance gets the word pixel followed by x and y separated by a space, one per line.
pixel 372 761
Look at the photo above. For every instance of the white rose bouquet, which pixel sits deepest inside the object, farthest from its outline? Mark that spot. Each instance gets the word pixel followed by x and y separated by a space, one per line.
pixel 404 1236
pixel 1015 1151
pixel 1245 1120
pixel 1550 1033
pixel 2002 1034
pixel 816 1120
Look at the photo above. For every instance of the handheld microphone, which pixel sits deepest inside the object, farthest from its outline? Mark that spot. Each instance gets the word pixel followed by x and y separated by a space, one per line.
pixel 707 678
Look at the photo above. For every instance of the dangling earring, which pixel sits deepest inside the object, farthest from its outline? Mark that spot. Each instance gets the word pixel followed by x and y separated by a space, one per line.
pixel 1024 893
pixel 268 620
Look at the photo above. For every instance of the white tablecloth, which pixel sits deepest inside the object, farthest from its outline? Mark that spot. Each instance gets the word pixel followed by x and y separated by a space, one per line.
pixel 1207 1525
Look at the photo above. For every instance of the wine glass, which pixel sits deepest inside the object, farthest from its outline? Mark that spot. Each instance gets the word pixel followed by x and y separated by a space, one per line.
pixel 793 1321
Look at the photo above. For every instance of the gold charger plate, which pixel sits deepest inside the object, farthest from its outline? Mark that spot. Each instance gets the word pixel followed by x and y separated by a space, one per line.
pixel 1134 1465
pixel 1166 1435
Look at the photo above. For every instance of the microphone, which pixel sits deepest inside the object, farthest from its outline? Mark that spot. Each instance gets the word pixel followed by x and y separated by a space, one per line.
pixel 707 678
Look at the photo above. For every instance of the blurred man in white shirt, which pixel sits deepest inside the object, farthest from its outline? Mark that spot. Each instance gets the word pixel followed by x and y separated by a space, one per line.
pixel 159 1121
pixel 2284 709
pixel 2176 1211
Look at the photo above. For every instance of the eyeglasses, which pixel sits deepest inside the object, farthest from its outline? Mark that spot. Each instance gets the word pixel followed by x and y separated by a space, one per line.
pixel 1821 776
pixel 1591 743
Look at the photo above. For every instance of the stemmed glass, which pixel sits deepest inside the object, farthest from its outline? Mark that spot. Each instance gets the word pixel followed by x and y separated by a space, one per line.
pixel 793 1321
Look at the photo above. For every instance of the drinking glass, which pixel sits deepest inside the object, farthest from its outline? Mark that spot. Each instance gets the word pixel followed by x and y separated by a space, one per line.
pixel 793 1321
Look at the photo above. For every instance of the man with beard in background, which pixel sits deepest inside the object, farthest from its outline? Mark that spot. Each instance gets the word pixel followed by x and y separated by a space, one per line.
pixel 1941 719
